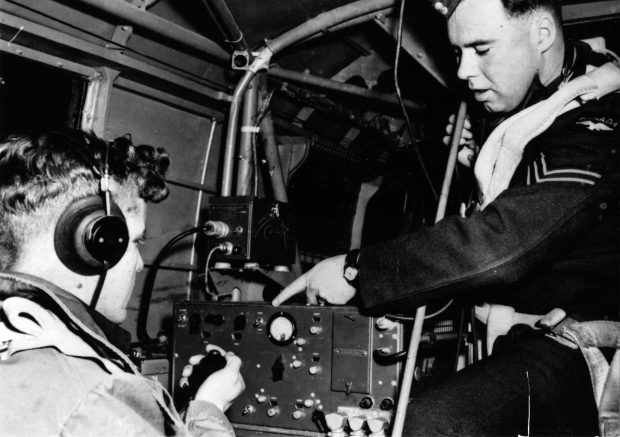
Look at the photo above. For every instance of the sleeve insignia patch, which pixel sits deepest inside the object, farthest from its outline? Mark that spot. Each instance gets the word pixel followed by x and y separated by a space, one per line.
pixel 537 172
pixel 598 123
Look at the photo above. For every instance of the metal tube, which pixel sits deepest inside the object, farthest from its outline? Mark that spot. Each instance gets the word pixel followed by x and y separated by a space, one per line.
pixel 349 23
pixel 326 20
pixel 153 23
pixel 309 28
pixel 248 131
pixel 322 82
pixel 226 23
pixel 203 177
pixel 405 386
pixel 454 149
pixel 273 159
pixel 231 133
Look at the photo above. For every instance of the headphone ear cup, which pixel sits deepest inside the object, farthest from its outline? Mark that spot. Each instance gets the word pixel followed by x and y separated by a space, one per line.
pixel 85 237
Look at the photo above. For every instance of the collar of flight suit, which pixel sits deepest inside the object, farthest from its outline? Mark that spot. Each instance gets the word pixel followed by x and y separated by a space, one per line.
pixel 502 151
pixel 40 314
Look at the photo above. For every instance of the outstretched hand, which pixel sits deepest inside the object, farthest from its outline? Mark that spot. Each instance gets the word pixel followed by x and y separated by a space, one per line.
pixel 324 281
pixel 222 387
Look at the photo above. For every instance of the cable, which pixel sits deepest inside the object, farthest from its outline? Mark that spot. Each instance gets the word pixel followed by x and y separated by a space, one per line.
pixel 426 317
pixel 211 252
pixel 412 137
pixel 149 282
pixel 99 287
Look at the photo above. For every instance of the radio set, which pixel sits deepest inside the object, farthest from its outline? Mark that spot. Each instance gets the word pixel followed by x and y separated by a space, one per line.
pixel 308 369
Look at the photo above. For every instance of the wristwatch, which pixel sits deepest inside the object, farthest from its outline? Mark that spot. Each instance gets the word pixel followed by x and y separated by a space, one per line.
pixel 351 269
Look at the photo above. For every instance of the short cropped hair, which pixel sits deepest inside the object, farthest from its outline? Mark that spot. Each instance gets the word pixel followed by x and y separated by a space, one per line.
pixel 519 8
pixel 41 175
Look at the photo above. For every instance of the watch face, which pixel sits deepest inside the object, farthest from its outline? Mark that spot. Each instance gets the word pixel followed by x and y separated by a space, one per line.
pixel 350 273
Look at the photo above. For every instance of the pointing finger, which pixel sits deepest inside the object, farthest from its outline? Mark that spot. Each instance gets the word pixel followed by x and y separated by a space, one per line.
pixel 295 287
pixel 312 297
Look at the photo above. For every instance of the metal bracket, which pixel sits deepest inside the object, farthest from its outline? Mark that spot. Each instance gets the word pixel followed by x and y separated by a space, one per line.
pixel 97 101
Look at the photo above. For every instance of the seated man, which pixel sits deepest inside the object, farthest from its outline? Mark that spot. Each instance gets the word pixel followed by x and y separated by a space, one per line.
pixel 544 241
pixel 72 213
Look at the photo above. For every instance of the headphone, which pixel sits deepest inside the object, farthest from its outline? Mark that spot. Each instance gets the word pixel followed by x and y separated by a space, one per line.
pixel 91 234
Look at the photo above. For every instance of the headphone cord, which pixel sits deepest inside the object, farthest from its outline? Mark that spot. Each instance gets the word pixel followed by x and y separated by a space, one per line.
pixel 99 287
pixel 149 282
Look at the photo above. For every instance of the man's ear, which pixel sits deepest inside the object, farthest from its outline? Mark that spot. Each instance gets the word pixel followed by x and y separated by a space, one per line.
pixel 545 31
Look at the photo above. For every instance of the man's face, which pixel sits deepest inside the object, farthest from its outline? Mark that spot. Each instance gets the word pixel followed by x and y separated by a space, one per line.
pixel 497 54
pixel 121 278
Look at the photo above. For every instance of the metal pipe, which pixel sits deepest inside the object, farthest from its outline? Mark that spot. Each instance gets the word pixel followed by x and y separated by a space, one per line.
pixel 231 133
pixel 203 177
pixel 309 28
pixel 354 21
pixel 405 386
pixel 273 159
pixel 226 23
pixel 326 20
pixel 454 149
pixel 322 82
pixel 248 131
pixel 146 20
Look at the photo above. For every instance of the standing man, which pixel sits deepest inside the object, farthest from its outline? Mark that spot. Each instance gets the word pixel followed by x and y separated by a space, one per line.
pixel 72 213
pixel 546 241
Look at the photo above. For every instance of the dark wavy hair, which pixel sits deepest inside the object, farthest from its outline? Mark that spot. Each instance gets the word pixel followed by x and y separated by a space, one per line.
pixel 49 171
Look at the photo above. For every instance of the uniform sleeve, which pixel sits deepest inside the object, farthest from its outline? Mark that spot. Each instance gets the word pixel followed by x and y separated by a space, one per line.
pixel 524 229
pixel 204 419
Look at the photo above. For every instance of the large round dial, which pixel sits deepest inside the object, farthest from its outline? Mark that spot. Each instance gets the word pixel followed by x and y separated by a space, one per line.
pixel 281 328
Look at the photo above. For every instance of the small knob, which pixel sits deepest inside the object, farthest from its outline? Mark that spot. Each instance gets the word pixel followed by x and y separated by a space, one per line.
pixel 314 330
pixel 314 370
pixel 298 414
pixel 367 402
pixel 273 411
pixel 385 324
pixel 248 409
pixel 300 341
pixel 296 364
pixel 259 322
pixel 308 403
pixel 387 404
pixel 260 398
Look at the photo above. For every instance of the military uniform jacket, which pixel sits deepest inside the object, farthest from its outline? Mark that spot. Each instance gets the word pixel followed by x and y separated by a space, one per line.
pixel 551 240
pixel 63 377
